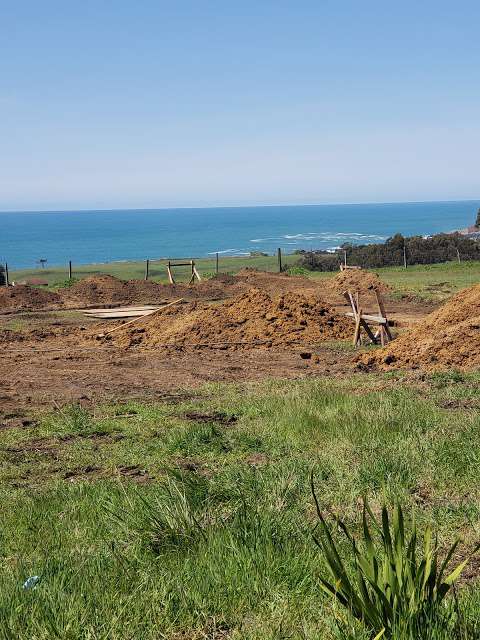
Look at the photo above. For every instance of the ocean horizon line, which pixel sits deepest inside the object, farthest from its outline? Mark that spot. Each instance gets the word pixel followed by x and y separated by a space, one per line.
pixel 240 206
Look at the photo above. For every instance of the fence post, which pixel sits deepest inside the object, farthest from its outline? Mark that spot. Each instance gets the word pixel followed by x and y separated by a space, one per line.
pixel 458 256
pixel 345 257
pixel 404 256
pixel 279 258
pixel 147 269
pixel 216 263
pixel 69 269
pixel 7 282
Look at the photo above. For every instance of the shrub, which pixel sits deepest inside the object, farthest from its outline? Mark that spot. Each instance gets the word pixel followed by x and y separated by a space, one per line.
pixel 65 284
pixel 296 270
pixel 392 588
pixel 439 248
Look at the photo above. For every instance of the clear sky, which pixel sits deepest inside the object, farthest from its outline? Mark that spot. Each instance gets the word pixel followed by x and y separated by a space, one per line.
pixel 122 103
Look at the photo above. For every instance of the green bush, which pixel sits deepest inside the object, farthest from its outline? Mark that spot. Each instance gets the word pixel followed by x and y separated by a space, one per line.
pixel 442 247
pixel 296 270
pixel 65 284
pixel 393 588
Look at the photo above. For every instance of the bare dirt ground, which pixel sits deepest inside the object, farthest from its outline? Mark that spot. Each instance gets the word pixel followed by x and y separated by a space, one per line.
pixel 51 358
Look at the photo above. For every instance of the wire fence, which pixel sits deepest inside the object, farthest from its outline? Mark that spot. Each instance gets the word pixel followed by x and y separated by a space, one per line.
pixel 161 270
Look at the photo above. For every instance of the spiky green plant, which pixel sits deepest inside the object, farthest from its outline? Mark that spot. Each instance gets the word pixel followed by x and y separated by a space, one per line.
pixel 394 588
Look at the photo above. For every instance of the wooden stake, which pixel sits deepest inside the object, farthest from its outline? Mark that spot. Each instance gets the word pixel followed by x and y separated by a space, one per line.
pixel 383 313
pixel 170 276
pixel 279 258
pixel 356 335
pixel 147 269
pixel 216 264
pixel 7 282
pixel 69 269
pixel 404 256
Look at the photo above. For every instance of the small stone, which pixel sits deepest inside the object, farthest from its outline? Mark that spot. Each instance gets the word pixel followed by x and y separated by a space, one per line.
pixel 305 355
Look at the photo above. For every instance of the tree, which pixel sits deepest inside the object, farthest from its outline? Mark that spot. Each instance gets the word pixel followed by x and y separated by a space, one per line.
pixel 2 275
pixel 477 221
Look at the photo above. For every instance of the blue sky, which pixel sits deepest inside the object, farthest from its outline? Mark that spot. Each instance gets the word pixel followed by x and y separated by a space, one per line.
pixel 107 104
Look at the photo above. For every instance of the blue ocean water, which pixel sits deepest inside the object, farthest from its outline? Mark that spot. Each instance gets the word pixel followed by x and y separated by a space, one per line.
pixel 105 236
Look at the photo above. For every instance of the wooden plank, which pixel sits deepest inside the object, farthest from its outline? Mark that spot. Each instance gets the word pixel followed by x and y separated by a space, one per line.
pixel 351 301
pixel 143 307
pixel 121 326
pixel 367 329
pixel 369 318
pixel 383 312
pixel 121 314
pixel 356 335
pixel 170 275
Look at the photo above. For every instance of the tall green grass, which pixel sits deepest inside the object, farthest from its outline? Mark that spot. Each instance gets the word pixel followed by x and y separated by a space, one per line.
pixel 213 538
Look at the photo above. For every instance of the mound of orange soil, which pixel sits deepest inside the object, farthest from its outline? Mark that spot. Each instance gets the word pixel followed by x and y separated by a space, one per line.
pixel 108 290
pixel 246 321
pixel 23 297
pixel 276 283
pixel 105 289
pixel 356 280
pixel 447 338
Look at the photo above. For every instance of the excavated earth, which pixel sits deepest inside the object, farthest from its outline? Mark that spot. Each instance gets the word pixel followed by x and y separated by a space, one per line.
pixel 108 291
pixel 287 327
pixel 252 319
pixel 357 280
pixel 448 338
pixel 23 297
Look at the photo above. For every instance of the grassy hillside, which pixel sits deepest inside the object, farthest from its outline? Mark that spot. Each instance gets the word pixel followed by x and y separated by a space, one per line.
pixel 192 518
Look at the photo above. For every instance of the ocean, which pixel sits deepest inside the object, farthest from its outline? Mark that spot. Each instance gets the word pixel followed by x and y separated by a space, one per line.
pixel 119 235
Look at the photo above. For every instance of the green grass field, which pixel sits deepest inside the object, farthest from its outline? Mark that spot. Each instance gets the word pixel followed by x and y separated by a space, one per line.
pixel 192 518
pixel 158 271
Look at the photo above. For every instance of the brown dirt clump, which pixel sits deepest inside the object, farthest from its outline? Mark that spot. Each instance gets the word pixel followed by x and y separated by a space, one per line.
pixel 108 290
pixel 23 297
pixel 356 280
pixel 249 320
pixel 447 338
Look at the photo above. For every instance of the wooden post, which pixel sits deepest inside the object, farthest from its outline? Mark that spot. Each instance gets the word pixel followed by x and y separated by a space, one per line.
pixel 458 256
pixel 279 258
pixel 147 269
pixel 404 256
pixel 7 282
pixel 170 275
pixel 345 257
pixel 69 269
pixel 216 264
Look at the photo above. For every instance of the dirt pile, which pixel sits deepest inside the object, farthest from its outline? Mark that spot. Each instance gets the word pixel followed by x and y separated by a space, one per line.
pixel 447 338
pixel 274 284
pixel 23 297
pixel 246 321
pixel 108 290
pixel 356 280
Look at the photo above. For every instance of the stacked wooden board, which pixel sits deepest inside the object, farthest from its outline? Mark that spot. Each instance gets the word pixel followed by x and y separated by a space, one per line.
pixel 119 313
